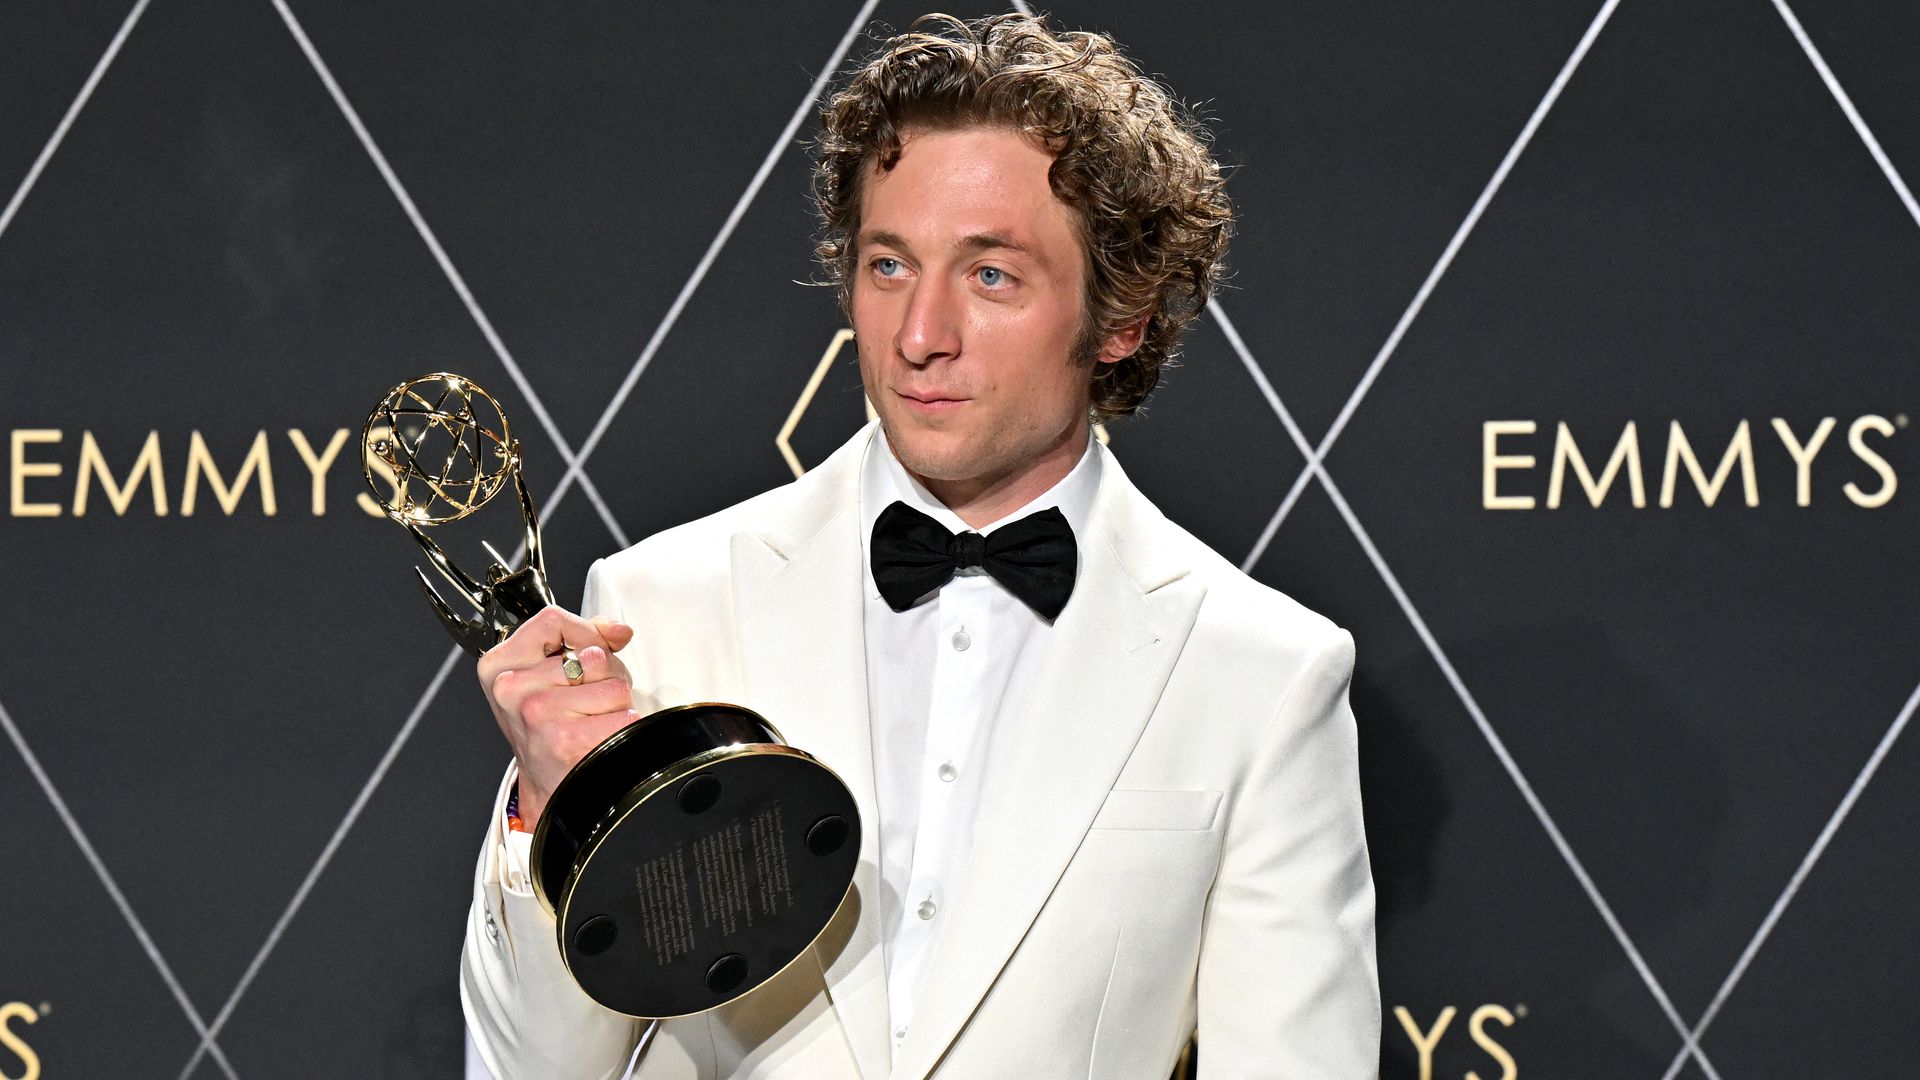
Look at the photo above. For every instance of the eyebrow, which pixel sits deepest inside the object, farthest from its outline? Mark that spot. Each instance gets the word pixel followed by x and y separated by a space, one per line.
pixel 975 242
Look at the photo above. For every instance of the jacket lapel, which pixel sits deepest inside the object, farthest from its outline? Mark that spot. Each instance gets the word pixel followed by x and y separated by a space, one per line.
pixel 1069 731
pixel 800 617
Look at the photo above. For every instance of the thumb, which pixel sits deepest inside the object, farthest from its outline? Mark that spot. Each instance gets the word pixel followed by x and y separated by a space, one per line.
pixel 618 634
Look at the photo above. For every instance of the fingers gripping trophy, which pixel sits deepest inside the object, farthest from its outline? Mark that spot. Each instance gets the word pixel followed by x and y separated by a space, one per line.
pixel 690 855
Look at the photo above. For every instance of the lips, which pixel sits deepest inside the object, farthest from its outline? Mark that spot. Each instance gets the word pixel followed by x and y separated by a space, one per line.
pixel 929 400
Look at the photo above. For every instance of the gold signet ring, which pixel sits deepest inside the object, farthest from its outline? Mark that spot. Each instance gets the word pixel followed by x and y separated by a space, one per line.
pixel 570 667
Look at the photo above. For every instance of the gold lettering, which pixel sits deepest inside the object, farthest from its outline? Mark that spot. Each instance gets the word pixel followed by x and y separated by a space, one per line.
pixel 1477 1027
pixel 1492 461
pixel 1425 1042
pixel 1856 439
pixel 1740 449
pixel 1803 456
pixel 1627 451
pixel 94 463
pixel 317 464
pixel 200 462
pixel 22 1011
pixel 22 468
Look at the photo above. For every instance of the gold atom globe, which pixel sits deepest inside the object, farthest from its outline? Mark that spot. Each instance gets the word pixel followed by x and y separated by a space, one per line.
pixel 436 449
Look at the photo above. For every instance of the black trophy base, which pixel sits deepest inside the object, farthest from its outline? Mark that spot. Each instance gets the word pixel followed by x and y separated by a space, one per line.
pixel 691 857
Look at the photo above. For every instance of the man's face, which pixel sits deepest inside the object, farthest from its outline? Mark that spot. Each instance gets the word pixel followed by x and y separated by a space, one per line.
pixel 967 299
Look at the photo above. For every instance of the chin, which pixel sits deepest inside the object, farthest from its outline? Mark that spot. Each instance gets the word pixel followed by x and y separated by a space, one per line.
pixel 932 454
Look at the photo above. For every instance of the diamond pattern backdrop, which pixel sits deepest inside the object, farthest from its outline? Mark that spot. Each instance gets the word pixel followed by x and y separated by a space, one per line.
pixel 1638 799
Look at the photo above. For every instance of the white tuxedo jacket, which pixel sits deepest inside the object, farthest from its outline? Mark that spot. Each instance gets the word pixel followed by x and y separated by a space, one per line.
pixel 1174 833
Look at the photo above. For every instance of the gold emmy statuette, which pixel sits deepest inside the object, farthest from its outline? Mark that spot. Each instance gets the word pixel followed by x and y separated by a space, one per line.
pixel 693 854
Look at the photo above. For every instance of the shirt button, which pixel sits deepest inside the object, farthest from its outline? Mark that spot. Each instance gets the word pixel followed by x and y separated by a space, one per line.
pixel 927 910
pixel 901 1034
pixel 961 641
pixel 947 772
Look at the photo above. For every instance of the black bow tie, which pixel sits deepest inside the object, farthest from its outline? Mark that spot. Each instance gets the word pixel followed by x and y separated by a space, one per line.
pixel 1034 558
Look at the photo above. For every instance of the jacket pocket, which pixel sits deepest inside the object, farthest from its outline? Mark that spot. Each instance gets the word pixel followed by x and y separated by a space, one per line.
pixel 1162 811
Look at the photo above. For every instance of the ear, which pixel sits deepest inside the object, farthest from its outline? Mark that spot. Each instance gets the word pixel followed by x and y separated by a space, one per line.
pixel 1123 342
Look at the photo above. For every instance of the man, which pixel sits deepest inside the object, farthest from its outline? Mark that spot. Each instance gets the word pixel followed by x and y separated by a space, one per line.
pixel 1095 816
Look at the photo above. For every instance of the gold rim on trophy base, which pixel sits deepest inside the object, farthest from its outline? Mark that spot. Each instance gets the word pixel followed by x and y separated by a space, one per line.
pixel 740 850
pixel 693 854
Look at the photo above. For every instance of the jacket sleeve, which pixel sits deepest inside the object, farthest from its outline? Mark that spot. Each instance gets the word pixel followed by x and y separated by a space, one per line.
pixel 1287 981
pixel 526 1015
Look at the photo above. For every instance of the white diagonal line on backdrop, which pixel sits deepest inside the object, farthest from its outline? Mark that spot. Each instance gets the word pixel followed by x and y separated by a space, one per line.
pixel 1499 746
pixel 1440 268
pixel 1800 875
pixel 113 888
pixel 453 275
pixel 326 857
pixel 1260 380
pixel 73 110
pixel 1899 724
pixel 553 500
pixel 1853 115
pixel 713 251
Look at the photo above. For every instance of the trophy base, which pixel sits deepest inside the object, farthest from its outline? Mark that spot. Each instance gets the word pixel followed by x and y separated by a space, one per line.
pixel 683 889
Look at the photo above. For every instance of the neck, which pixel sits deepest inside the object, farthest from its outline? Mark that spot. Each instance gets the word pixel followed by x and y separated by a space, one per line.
pixel 981 500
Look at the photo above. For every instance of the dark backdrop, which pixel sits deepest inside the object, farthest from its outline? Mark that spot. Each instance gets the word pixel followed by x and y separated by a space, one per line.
pixel 1634 775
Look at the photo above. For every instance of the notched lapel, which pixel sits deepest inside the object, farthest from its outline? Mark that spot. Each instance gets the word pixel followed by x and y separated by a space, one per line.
pixel 1068 733
pixel 799 615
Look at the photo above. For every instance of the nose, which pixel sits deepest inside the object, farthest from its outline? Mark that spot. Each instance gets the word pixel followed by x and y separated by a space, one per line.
pixel 930 327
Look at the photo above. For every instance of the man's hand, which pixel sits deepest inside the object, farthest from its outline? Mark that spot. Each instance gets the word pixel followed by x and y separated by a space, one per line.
pixel 550 723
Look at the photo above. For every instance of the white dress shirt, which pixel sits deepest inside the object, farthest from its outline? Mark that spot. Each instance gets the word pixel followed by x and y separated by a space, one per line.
pixel 937 676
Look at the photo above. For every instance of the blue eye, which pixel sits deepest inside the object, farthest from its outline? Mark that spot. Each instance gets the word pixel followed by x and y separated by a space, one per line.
pixel 997 276
pixel 886 265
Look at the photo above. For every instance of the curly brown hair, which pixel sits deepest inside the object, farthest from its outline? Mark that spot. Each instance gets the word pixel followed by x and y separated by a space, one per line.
pixel 1132 163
